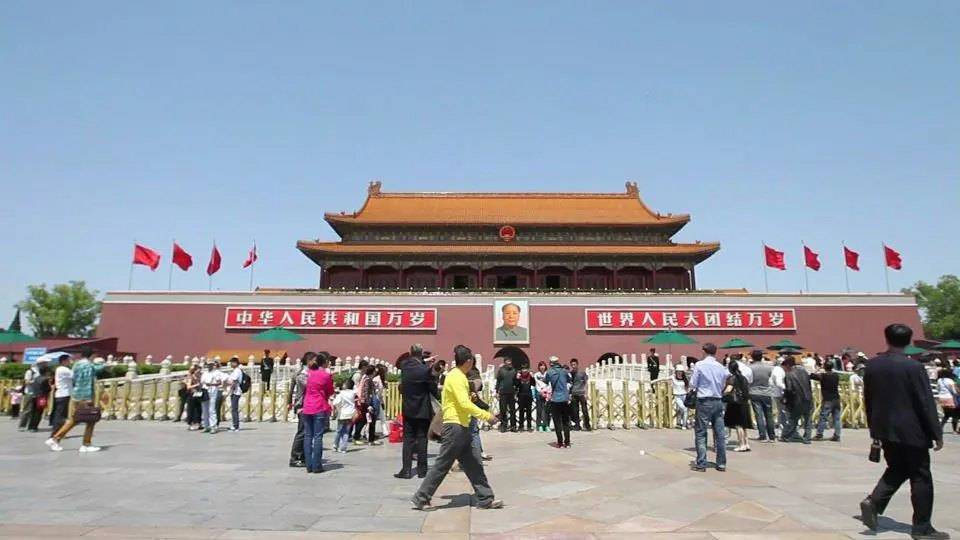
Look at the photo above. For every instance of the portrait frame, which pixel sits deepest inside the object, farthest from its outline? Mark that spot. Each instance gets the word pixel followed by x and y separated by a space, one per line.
pixel 501 328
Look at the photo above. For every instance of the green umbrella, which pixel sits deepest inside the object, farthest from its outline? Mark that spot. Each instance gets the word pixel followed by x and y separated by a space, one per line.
pixel 913 349
pixel 784 344
pixel 12 336
pixel 670 337
pixel 279 334
pixel 952 345
pixel 737 343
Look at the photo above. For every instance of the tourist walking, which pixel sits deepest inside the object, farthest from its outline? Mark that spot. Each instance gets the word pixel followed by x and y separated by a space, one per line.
pixel 578 396
pixel 949 398
pixel 902 416
pixel 194 392
pixel 345 405
pixel 559 380
pixel 236 392
pixel 798 397
pixel 455 443
pixel 543 397
pixel 418 386
pixel 777 386
pixel 476 386
pixel 40 394
pixel 84 410
pixel 762 396
pixel 680 388
pixel 28 376
pixel 298 387
pixel 506 390
pixel 736 414
pixel 829 401
pixel 708 381
pixel 316 411
pixel 62 390
pixel 212 382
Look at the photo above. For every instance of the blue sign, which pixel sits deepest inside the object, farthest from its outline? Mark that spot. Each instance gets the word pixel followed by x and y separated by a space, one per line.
pixel 31 354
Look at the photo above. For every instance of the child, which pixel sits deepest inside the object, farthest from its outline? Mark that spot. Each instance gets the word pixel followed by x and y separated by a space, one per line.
pixel 16 394
pixel 346 407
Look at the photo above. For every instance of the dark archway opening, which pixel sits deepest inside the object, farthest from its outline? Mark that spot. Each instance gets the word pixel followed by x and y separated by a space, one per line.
pixel 516 355
pixel 608 358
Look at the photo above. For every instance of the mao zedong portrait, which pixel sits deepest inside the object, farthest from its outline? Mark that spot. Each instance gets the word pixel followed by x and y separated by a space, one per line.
pixel 510 330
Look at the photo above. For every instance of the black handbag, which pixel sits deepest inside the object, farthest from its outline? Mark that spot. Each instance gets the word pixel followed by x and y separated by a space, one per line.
pixel 690 400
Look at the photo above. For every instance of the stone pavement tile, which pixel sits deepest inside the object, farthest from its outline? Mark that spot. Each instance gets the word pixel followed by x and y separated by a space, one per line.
pixel 239 519
pixel 611 512
pixel 167 533
pixel 534 536
pixel 51 517
pixel 752 510
pixel 369 524
pixel 507 519
pixel 785 524
pixel 410 536
pixel 657 536
pixel 781 536
pixel 559 489
pixel 448 520
pixel 821 518
pixel 150 519
pixel 43 531
pixel 564 524
pixel 647 524
pixel 724 522
pixel 234 534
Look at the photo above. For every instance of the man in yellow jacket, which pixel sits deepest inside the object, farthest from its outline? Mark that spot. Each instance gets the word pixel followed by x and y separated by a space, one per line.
pixel 458 409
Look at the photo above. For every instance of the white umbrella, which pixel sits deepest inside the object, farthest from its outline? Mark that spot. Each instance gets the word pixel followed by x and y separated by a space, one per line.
pixel 52 357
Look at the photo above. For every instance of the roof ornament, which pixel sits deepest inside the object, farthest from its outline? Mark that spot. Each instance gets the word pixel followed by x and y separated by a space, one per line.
pixel 373 189
pixel 633 190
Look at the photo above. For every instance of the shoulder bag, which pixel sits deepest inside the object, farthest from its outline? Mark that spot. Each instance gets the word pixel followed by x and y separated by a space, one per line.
pixel 86 412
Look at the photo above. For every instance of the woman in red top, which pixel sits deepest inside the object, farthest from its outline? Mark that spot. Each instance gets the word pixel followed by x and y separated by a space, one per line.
pixel 316 411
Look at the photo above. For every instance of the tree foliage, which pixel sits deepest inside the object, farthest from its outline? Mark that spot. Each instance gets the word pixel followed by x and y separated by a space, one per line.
pixel 940 306
pixel 66 310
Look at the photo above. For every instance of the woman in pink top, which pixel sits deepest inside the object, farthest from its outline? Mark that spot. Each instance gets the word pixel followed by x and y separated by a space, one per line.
pixel 316 411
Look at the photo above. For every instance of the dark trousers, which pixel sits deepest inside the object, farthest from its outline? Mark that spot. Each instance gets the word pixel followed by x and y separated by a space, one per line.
pixel 543 414
pixel 219 408
pixel 361 421
pixel 561 421
pixel 61 406
pixel 181 404
pixel 802 411
pixel 415 442
pixel 907 463
pixel 265 376
pixel 578 408
pixel 194 410
pixel 235 410
pixel 35 415
pixel 525 401
pixel 831 408
pixel 654 373
pixel 26 411
pixel 296 450
pixel 455 445
pixel 508 411
pixel 763 411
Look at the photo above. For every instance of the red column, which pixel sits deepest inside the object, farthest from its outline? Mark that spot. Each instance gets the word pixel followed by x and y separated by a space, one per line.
pixel 363 277
pixel 616 277
pixel 653 285
pixel 479 276
pixel 439 276
pixel 576 277
pixel 536 277
pixel 400 277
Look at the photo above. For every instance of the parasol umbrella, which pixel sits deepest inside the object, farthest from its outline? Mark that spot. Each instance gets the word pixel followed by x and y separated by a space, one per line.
pixel 912 349
pixel 784 344
pixel 670 337
pixel 951 345
pixel 788 352
pixel 737 343
pixel 278 334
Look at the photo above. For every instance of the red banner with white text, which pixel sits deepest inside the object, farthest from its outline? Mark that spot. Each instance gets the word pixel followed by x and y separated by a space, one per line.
pixel 332 318
pixel 688 320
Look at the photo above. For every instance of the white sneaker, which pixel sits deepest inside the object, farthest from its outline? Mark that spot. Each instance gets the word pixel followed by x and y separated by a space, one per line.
pixel 54 445
pixel 89 448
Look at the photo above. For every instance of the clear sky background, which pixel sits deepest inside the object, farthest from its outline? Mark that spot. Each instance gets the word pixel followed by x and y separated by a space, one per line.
pixel 766 121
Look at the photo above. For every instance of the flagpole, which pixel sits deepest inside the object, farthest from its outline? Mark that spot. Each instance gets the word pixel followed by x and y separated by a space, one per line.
pixel 170 279
pixel 130 281
pixel 806 269
pixel 253 263
pixel 210 276
pixel 846 267
pixel 886 267
pixel 766 280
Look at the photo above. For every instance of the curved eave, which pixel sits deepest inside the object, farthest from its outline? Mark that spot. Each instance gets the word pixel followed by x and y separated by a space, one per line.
pixel 674 220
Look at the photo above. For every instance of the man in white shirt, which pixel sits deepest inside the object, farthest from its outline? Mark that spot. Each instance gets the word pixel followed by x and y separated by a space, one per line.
pixel 63 389
pixel 233 383
pixel 744 368
pixel 211 381
pixel 777 386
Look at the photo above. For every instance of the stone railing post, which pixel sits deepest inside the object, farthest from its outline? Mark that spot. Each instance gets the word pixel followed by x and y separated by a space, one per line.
pixel 131 368
pixel 165 366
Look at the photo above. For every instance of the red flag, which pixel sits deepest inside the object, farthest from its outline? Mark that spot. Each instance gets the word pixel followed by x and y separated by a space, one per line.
pixel 145 256
pixel 892 258
pixel 811 258
pixel 774 258
pixel 214 265
pixel 251 258
pixel 181 258
pixel 852 258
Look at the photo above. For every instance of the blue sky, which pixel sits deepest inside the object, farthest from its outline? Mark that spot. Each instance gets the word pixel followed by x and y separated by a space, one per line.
pixel 780 122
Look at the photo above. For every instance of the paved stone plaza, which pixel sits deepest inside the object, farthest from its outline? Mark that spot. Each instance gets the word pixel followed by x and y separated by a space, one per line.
pixel 155 480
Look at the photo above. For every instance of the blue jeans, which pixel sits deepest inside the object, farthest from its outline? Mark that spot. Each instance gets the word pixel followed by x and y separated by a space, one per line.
pixel 475 438
pixel 827 408
pixel 763 411
pixel 710 411
pixel 342 440
pixel 314 426
pixel 235 410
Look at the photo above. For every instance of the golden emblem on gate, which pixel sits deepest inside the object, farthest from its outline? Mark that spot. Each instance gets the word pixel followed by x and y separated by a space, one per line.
pixel 508 233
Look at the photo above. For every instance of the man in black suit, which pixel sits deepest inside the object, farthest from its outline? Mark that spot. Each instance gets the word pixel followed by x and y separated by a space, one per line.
pixel 417 385
pixel 902 415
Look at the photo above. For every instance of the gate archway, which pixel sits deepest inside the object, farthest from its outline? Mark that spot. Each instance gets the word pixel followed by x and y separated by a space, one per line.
pixel 516 355
pixel 608 358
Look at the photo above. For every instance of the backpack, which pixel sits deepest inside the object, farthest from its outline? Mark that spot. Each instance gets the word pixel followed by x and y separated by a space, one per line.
pixel 245 382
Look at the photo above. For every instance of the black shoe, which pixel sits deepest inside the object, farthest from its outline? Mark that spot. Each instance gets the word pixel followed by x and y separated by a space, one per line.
pixel 298 464
pixel 721 468
pixel 868 514
pixel 834 439
pixel 403 475
pixel 422 475
pixel 513 430
pixel 695 468
pixel 932 534
pixel 318 471
pixel 818 437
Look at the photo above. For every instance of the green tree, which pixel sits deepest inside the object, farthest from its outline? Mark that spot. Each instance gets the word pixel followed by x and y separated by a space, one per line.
pixel 940 306
pixel 66 310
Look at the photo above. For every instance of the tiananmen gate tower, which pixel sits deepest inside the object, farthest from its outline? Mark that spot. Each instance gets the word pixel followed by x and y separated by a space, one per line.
pixel 526 275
